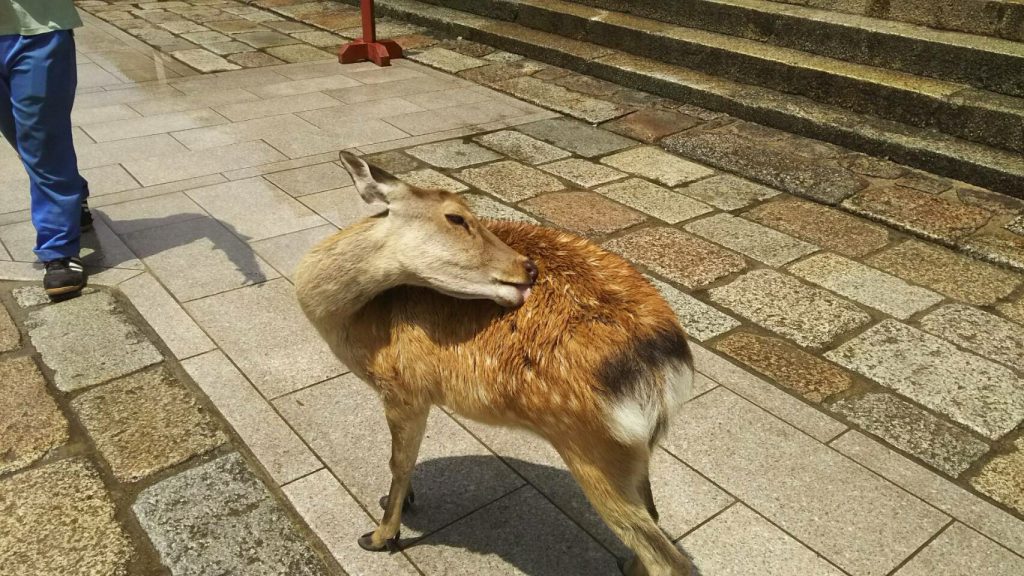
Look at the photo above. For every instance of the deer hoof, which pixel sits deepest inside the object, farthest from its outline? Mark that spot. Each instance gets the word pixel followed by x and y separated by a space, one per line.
pixel 406 506
pixel 391 544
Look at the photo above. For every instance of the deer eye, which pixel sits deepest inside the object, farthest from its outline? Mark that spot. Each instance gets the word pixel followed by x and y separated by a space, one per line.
pixel 455 219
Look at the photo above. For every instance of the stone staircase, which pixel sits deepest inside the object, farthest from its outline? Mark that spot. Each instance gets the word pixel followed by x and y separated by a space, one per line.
pixel 948 102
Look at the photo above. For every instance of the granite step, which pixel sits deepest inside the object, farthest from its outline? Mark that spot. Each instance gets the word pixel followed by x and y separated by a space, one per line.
pixel 996 18
pixel 950 107
pixel 923 148
pixel 995 64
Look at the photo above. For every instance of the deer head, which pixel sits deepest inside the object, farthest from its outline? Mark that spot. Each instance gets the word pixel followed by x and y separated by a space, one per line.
pixel 438 243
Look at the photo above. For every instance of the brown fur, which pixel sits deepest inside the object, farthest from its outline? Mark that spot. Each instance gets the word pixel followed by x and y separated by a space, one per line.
pixel 592 331
pixel 511 366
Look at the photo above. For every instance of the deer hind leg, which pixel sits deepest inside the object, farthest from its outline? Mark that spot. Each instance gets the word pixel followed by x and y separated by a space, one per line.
pixel 648 495
pixel 614 478
pixel 407 424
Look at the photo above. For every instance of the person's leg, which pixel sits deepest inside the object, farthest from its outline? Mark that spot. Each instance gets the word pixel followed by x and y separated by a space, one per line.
pixel 7 44
pixel 43 79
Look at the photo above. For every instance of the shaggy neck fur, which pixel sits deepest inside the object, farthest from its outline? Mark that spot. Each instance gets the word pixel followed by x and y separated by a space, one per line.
pixel 344 273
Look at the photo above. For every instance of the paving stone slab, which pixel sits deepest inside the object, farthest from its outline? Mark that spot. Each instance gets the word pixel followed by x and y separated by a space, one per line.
pixel 656 164
pixel 154 170
pixel 827 227
pixel 750 239
pixel 510 181
pixel 952 274
pixel 394 162
pixel 165 316
pixel 975 392
pixel 30 296
pixel 342 207
pixel 865 285
pixel 652 199
pixel 739 542
pixel 31 424
pixel 453 154
pixel 338 520
pixel 684 499
pixel 59 519
pixel 700 321
pixel 204 60
pixel 913 430
pixel 583 213
pixel 285 252
pixel 278 361
pixel 495 540
pixel 805 374
pixel 931 216
pixel 992 201
pixel 577 137
pixel 925 183
pixel 430 179
pixel 960 550
pixel 255 209
pixel 455 474
pixel 311 179
pixel 727 192
pixel 583 172
pixel 569 102
pixel 811 317
pixel 299 53
pixel 769 397
pixel 1017 226
pixel 651 124
pixel 1002 478
pixel 486 207
pixel 10 337
pixel 1013 310
pixel 738 153
pixel 254 59
pixel 934 489
pixel 855 519
pixel 979 332
pixel 198 257
pixel 275 445
pixel 447 60
pixel 521 147
pixel 89 340
pixel 319 38
pixel 678 256
pixel 145 423
pixel 996 245
pixel 219 519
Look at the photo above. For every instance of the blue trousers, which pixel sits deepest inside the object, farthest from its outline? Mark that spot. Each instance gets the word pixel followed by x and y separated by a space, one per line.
pixel 38 78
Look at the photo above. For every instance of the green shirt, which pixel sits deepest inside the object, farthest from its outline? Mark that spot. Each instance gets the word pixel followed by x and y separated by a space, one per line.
pixel 31 17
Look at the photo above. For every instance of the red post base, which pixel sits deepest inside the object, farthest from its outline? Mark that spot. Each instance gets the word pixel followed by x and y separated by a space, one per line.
pixel 380 52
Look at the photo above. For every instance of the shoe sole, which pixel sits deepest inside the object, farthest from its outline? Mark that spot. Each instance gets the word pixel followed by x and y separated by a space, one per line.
pixel 63 290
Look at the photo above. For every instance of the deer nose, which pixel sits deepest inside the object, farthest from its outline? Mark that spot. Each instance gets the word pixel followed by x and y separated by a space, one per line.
pixel 531 271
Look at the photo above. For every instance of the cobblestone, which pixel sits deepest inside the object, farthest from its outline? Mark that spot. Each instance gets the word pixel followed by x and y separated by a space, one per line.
pixel 805 374
pixel 913 430
pixel 987 397
pixel 680 257
pixel 809 316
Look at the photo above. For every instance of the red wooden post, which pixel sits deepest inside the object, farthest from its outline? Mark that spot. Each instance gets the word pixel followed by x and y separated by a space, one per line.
pixel 369 48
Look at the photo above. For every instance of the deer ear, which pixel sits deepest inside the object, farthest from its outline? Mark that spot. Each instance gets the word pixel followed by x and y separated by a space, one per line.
pixel 373 184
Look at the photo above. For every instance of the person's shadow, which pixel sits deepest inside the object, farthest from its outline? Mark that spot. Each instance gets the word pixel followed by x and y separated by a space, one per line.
pixel 538 534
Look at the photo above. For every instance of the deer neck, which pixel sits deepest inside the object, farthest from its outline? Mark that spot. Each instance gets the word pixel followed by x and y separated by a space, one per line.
pixel 342 275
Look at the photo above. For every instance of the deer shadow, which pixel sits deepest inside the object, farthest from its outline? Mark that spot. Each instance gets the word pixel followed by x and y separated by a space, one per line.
pixel 143 238
pixel 549 532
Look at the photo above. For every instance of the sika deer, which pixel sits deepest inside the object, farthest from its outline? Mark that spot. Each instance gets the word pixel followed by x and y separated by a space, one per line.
pixel 508 324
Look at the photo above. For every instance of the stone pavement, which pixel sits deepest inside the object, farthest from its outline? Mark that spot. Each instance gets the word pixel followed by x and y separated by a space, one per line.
pixel 113 462
pixel 861 385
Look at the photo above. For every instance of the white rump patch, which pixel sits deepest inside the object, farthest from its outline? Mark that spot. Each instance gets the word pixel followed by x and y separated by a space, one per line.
pixel 634 420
